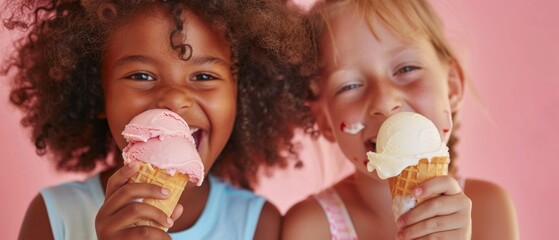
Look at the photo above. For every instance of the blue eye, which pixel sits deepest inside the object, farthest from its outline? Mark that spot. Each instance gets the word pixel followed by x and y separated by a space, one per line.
pixel 349 87
pixel 203 77
pixel 406 69
pixel 141 76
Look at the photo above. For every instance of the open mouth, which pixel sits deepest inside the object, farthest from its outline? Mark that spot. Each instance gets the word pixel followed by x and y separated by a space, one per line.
pixel 197 135
pixel 371 145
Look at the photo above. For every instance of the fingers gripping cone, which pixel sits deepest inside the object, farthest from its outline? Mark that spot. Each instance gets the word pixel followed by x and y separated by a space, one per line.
pixel 160 177
pixel 402 186
pixel 409 152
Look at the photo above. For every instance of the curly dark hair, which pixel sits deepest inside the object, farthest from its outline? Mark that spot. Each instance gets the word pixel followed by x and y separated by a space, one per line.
pixel 407 18
pixel 56 77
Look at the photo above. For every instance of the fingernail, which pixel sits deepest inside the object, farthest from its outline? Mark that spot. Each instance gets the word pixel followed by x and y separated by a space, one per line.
pixel 165 191
pixel 132 165
pixel 170 221
pixel 418 192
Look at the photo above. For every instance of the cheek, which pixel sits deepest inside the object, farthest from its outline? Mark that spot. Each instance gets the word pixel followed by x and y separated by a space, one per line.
pixel 348 114
pixel 119 110
pixel 222 115
pixel 116 126
pixel 353 149
pixel 439 113
pixel 345 114
pixel 228 106
pixel 352 146
pixel 112 113
pixel 444 124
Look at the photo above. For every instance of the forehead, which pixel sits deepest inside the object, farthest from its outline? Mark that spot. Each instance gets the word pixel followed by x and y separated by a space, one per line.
pixel 350 35
pixel 154 25
pixel 401 21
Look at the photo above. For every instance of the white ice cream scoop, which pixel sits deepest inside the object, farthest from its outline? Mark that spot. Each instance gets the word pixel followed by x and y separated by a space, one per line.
pixel 404 139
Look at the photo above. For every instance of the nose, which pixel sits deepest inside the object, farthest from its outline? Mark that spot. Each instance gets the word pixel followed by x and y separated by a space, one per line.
pixel 386 100
pixel 174 98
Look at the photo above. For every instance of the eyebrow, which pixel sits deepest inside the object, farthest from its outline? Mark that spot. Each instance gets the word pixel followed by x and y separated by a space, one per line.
pixel 403 48
pixel 198 60
pixel 399 50
pixel 208 59
pixel 133 59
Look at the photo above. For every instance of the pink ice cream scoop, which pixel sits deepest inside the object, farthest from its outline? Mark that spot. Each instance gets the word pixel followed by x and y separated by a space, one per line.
pixel 163 139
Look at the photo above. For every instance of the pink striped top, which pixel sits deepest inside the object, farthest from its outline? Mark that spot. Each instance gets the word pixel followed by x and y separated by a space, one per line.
pixel 341 226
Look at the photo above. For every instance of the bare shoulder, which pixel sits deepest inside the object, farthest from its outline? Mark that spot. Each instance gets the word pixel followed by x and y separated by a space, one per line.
pixel 306 220
pixel 36 223
pixel 269 223
pixel 493 211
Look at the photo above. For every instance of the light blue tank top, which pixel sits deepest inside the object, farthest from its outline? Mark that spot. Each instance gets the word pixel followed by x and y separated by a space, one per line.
pixel 230 213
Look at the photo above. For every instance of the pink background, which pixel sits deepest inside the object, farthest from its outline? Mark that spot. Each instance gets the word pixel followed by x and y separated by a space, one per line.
pixel 507 135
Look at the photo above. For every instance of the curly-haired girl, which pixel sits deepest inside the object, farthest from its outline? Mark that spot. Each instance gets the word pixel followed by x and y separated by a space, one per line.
pixel 86 68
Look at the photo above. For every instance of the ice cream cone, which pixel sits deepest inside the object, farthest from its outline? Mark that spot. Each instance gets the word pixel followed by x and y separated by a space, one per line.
pixel 402 185
pixel 160 177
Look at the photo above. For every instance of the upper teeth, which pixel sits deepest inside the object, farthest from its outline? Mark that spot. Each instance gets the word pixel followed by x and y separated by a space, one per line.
pixel 193 130
pixel 354 128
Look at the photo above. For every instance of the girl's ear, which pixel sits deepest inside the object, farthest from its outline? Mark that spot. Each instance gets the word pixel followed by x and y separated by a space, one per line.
pixel 455 86
pixel 322 121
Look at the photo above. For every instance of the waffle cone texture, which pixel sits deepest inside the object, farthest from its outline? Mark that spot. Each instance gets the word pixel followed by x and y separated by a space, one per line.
pixel 402 186
pixel 160 177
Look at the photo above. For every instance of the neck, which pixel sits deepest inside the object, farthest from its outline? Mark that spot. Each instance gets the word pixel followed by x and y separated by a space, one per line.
pixel 374 193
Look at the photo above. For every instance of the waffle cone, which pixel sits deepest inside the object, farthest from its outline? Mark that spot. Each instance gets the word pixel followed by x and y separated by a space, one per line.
pixel 401 186
pixel 160 177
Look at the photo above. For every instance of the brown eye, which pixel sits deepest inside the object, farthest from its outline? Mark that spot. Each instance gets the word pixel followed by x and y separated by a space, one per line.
pixel 203 77
pixel 141 77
